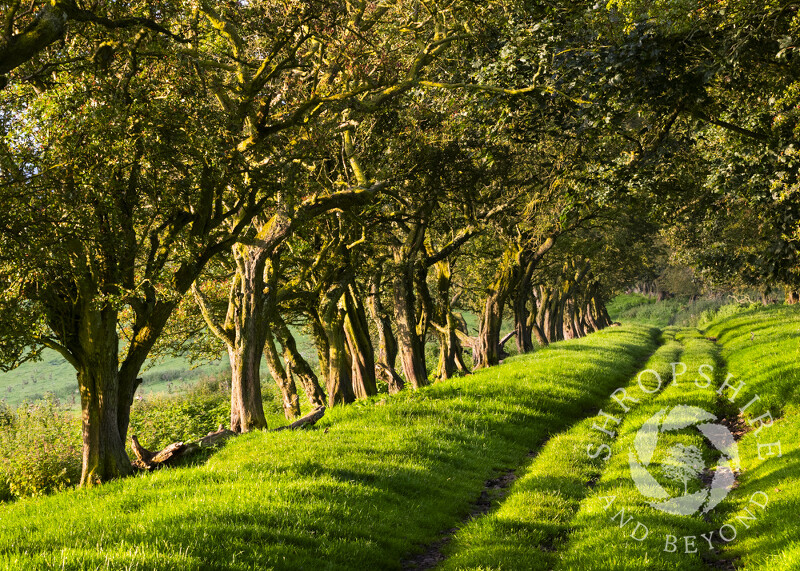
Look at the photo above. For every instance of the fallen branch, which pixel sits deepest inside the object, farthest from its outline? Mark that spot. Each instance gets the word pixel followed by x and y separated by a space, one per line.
pixel 506 338
pixel 307 420
pixel 147 460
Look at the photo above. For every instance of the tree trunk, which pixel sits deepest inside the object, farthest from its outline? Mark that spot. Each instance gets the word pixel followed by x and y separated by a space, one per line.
pixel 297 365
pixel 321 343
pixel 792 297
pixel 578 326
pixel 246 342
pixel 537 316
pixel 522 321
pixel 340 388
pixel 284 381
pixel 551 315
pixel 247 409
pixel 387 344
pixel 591 324
pixel 411 346
pixel 338 383
pixel 487 346
pixel 450 359
pixel 359 344
pixel 486 351
pixel 104 455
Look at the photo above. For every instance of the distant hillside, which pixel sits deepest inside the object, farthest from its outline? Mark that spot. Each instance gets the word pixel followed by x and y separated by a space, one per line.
pixel 52 374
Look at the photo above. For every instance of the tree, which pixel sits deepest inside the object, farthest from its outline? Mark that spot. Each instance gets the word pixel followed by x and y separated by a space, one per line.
pixel 246 326
pixel 139 167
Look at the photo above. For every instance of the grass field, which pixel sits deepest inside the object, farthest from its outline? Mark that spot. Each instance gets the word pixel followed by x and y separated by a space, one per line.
pixel 378 482
pixel 367 488
pixel 52 374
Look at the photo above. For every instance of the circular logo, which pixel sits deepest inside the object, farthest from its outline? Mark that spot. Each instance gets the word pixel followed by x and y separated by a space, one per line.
pixel 681 464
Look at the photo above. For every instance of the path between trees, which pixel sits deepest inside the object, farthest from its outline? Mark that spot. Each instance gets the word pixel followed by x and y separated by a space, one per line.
pixel 558 512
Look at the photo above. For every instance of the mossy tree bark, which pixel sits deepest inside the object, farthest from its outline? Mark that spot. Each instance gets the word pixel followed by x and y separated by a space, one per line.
pixel 359 345
pixel 282 378
pixel 515 264
pixel 387 343
pixel 446 324
pixel 252 306
pixel 246 334
pixel 338 382
pixel 410 344
pixel 297 365
pixel 104 453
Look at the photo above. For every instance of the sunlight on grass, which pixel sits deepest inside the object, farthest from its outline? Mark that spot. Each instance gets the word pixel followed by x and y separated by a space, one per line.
pixel 359 491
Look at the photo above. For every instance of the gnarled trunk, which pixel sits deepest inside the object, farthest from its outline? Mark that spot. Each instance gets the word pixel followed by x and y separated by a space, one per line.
pixel 331 325
pixel 487 346
pixel 410 344
pixel 297 365
pixel 387 344
pixel 523 324
pixel 486 351
pixel 536 319
pixel 247 410
pixel 104 455
pixel 450 350
pixel 284 381
pixel 246 342
pixel 359 345
pixel 339 384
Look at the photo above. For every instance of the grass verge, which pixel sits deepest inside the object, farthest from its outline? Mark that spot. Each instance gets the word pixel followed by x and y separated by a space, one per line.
pixel 617 523
pixel 762 348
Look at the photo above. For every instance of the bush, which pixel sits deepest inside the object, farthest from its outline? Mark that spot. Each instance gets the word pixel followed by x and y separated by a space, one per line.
pixel 160 420
pixel 40 443
pixel 40 449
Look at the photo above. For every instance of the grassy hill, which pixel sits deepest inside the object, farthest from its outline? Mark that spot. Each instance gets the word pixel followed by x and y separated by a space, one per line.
pixel 376 483
pixel 370 485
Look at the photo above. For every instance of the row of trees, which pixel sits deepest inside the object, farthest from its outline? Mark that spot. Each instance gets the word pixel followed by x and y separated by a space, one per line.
pixel 216 174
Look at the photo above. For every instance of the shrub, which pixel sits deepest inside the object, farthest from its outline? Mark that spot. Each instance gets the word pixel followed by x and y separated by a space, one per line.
pixel 40 449
pixel 160 420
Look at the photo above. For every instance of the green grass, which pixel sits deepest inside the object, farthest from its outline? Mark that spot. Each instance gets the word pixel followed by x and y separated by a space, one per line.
pixel 531 524
pixel 553 519
pixel 679 311
pixel 762 348
pixel 377 481
pixel 372 483
pixel 626 301
pixel 596 535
